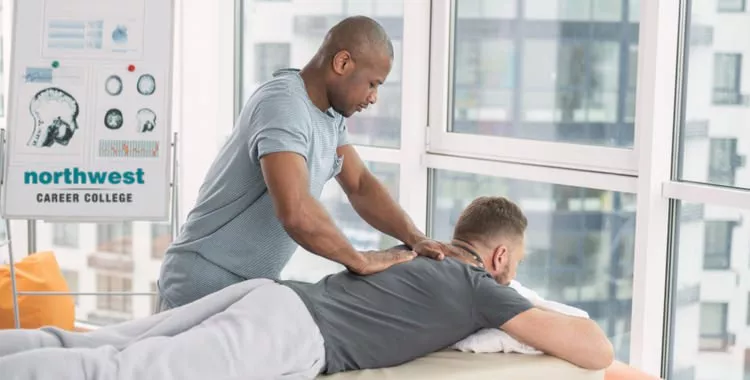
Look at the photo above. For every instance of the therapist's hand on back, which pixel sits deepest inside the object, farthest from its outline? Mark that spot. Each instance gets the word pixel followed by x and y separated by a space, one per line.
pixel 377 261
pixel 431 248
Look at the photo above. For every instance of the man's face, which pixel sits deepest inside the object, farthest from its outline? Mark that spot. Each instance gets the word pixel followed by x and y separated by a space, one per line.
pixel 356 86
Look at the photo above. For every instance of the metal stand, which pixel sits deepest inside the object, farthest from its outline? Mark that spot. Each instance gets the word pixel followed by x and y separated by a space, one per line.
pixel 175 218
pixel 8 242
pixel 174 229
pixel 16 316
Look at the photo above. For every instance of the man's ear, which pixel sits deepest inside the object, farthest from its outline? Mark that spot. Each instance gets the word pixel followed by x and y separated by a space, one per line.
pixel 342 62
pixel 499 256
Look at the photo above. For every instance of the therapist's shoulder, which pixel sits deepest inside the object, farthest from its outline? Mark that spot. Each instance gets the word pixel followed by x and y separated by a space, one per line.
pixel 285 91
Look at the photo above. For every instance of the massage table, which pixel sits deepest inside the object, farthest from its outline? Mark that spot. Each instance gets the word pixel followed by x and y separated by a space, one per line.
pixel 456 365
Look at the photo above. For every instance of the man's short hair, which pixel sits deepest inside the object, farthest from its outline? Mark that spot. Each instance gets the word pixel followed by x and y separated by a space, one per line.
pixel 487 218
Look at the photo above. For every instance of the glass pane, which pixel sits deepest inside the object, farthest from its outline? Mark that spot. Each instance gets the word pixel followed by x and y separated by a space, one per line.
pixel 709 297
pixel 287 34
pixel 2 76
pixel 579 242
pixel 561 71
pixel 714 142
pixel 107 257
pixel 305 266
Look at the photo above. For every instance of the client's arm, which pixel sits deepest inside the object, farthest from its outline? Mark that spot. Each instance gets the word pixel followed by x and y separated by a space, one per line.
pixel 577 340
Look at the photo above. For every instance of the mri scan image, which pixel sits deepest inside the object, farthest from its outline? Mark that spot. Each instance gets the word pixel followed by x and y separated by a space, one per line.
pixel 120 34
pixel 146 84
pixel 55 114
pixel 113 85
pixel 146 120
pixel 113 119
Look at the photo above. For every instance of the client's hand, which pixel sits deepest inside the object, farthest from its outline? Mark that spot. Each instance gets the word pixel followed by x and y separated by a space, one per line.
pixel 378 261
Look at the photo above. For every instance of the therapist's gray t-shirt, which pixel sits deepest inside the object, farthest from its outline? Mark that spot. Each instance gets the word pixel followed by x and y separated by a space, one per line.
pixel 232 233
pixel 405 312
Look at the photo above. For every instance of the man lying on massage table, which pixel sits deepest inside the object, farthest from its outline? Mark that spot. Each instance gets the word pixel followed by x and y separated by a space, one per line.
pixel 263 329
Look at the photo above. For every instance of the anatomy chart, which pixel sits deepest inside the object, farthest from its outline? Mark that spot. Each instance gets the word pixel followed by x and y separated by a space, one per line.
pixel 89 134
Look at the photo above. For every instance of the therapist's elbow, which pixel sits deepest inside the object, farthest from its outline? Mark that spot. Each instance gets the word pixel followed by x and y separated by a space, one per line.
pixel 290 220
pixel 294 220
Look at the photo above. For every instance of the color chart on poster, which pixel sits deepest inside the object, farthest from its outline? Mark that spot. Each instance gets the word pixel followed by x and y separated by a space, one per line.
pixel 89 110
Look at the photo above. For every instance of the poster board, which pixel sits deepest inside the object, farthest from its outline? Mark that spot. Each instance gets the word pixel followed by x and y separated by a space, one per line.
pixel 89 111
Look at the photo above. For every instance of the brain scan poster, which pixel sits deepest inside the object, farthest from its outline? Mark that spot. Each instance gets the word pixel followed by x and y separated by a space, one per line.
pixel 89 132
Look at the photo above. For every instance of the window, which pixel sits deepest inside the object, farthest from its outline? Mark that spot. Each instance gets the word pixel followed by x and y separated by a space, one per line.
pixel 305 266
pixel 730 5
pixel 2 76
pixel 579 242
pixel 562 72
pixel 65 235
pixel 718 244
pixel 161 237
pixel 295 34
pixel 722 299
pixel 727 72
pixel 723 161
pixel 114 303
pixel 713 326
pixel 115 238
pixel 270 57
pixel 71 278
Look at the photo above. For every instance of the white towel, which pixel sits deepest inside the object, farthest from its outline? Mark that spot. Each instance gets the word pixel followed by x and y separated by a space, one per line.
pixel 496 340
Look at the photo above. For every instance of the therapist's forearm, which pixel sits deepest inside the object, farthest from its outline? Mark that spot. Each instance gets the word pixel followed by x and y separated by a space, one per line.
pixel 314 230
pixel 376 206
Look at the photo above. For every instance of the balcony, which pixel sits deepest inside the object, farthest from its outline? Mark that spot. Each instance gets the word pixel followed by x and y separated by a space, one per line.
pixel 730 98
pixel 113 255
pixel 696 129
pixel 721 342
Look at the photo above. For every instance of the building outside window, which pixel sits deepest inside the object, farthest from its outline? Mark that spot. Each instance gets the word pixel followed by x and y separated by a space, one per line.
pixel 65 235
pixel 730 5
pixel 114 303
pixel 270 57
pixel 718 245
pixel 713 326
pixel 727 77
pixel 115 238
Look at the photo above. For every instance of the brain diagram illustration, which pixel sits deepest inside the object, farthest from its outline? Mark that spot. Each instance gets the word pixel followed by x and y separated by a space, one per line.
pixel 55 114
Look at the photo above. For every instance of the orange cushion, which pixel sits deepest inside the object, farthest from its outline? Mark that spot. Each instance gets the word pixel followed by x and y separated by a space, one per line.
pixel 37 272
pixel 622 371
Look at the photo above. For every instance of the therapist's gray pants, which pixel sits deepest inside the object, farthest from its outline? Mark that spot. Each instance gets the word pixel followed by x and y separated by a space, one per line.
pixel 266 333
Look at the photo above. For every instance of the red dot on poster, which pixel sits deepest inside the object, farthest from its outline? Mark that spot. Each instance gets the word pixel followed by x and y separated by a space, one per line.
pixel 131 68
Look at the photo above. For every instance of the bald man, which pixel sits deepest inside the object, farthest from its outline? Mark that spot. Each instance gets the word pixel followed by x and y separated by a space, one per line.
pixel 260 198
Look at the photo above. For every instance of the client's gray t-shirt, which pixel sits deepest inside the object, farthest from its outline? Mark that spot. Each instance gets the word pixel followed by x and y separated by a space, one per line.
pixel 405 312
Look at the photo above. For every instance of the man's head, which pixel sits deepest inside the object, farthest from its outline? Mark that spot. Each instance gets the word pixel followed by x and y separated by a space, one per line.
pixel 356 56
pixel 495 227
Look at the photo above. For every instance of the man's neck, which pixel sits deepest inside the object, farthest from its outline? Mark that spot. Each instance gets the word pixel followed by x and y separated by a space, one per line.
pixel 466 252
pixel 314 80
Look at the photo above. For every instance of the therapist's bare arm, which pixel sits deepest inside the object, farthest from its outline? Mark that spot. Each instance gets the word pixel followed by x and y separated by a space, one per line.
pixel 577 340
pixel 307 222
